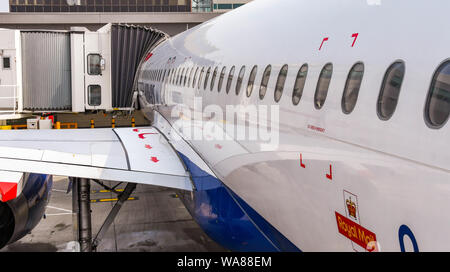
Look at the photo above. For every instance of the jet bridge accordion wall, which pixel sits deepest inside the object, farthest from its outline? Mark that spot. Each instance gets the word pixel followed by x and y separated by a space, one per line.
pixel 46 70
pixel 128 46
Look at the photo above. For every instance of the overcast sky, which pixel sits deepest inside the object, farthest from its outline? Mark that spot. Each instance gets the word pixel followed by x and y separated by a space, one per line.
pixel 4 5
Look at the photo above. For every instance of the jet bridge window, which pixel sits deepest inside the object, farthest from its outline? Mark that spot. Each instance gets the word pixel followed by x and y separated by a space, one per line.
pixel 251 80
pixel 230 79
pixel 322 86
pixel 299 84
pixel 94 64
pixel 352 87
pixel 280 83
pixel 265 82
pixel 94 95
pixel 437 108
pixel 213 80
pixel 222 76
pixel 390 90
pixel 6 63
pixel 239 80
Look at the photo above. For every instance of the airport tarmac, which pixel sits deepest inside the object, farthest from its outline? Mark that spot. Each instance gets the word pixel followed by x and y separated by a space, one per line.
pixel 156 221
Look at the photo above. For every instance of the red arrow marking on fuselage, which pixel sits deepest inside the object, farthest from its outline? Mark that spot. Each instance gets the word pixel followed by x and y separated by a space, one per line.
pixel 136 130
pixel 142 135
pixel 148 146
pixel 324 40
pixel 355 35
pixel 301 161
pixel 154 159
pixel 218 146
pixel 148 56
pixel 330 176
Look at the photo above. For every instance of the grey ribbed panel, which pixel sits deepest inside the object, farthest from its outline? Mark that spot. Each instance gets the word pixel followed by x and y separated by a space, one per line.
pixel 128 46
pixel 46 71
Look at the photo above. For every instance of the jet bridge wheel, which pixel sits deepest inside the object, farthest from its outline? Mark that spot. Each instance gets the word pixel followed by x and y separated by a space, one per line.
pixel 82 211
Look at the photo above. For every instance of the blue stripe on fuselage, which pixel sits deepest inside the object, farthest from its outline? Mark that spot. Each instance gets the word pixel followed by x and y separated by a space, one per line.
pixel 227 219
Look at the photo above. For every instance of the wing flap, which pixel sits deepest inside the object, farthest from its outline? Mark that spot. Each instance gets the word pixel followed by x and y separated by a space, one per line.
pixel 124 154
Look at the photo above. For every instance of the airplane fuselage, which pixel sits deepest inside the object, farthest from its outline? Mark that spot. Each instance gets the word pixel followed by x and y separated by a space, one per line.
pixel 327 180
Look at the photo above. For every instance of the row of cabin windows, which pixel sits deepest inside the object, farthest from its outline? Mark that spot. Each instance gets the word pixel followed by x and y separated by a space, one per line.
pixel 437 108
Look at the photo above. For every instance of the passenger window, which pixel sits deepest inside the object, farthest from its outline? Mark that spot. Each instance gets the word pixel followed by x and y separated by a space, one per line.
pixel 264 82
pixel 163 75
pixel 299 84
pixel 94 95
pixel 213 78
pixel 222 75
pixel 280 82
pixel 195 78
pixel 190 77
pixel 200 78
pixel 239 80
pixel 208 72
pixel 437 109
pixel 230 79
pixel 390 90
pixel 94 64
pixel 182 75
pixel 169 76
pixel 174 76
pixel 6 63
pixel 180 82
pixel 322 86
pixel 185 77
pixel 352 87
pixel 251 80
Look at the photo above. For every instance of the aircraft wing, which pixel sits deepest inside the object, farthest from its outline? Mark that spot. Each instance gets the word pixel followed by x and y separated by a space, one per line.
pixel 138 155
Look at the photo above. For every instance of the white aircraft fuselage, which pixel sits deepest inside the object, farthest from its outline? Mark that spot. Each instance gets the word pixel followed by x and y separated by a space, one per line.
pixel 322 179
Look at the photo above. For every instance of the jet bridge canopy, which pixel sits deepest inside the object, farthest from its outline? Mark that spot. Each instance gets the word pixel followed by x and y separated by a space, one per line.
pixel 128 46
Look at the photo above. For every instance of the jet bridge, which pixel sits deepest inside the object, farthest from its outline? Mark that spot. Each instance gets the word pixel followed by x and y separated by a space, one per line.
pixel 71 71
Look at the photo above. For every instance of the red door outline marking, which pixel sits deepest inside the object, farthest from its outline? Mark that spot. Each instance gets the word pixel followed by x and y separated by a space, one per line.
pixel 324 40
pixel 355 35
pixel 330 176
pixel 301 161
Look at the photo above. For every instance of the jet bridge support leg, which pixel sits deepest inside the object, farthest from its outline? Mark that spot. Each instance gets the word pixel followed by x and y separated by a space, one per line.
pixel 82 213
